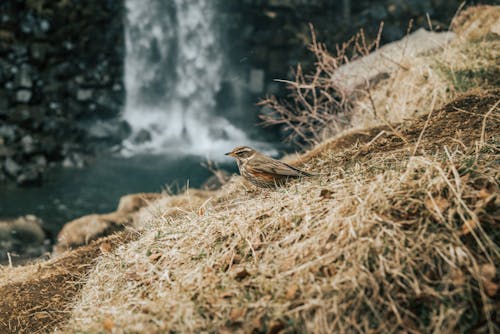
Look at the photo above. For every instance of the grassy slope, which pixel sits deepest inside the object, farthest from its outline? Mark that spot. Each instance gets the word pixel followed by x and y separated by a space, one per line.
pixel 385 240
pixel 400 232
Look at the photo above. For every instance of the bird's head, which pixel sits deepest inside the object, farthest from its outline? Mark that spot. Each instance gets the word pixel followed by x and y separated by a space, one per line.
pixel 242 153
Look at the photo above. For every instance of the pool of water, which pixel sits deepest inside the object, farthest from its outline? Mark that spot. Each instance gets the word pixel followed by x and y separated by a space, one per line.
pixel 69 193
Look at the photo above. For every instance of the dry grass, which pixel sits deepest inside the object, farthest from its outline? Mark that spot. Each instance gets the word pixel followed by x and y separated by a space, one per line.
pixel 383 241
pixel 399 233
pixel 321 106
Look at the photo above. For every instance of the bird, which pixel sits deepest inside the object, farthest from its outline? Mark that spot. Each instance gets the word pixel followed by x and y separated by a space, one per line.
pixel 264 171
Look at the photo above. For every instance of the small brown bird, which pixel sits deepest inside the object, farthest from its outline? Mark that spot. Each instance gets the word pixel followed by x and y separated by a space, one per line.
pixel 261 170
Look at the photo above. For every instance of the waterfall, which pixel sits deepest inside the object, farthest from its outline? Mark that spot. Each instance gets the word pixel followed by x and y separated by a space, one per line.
pixel 173 71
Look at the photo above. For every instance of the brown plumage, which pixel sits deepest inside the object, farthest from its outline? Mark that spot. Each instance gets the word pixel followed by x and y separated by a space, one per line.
pixel 263 171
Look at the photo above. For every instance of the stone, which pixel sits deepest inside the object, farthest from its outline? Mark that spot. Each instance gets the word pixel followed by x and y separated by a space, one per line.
pixel 4 104
pixel 83 230
pixel 40 160
pixel 141 137
pixel 24 236
pixel 11 167
pixel 23 96
pixel 29 176
pixel 133 202
pixel 28 144
pixel 8 132
pixel 256 81
pixel 23 77
pixel 112 130
pixel 4 150
pixel 84 94
pixel 357 73
pixel 73 160
pixel 39 51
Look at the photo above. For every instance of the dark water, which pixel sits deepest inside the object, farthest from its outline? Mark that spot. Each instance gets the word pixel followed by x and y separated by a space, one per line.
pixel 68 193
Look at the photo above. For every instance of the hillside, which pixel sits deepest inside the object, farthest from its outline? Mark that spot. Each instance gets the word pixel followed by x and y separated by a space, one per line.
pixel 399 233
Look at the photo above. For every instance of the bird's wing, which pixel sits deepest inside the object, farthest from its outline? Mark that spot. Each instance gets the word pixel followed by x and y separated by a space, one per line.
pixel 269 165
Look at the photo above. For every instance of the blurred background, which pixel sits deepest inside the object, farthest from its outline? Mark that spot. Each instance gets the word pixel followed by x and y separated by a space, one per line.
pixel 101 98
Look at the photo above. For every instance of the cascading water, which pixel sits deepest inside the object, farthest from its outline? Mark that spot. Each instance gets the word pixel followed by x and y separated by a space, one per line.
pixel 173 72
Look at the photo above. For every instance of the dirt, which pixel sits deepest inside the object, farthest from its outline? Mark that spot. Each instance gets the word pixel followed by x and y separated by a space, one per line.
pixel 459 123
pixel 41 302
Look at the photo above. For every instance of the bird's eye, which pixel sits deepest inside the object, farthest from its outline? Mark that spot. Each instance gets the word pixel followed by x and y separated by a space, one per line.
pixel 243 154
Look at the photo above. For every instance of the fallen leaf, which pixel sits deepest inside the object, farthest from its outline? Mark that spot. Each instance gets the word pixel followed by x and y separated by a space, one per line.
pixel 468 226
pixel 291 291
pixel 465 178
pixel 155 256
pixel 325 194
pixel 287 264
pixel 488 271
pixel 257 322
pixel 486 202
pixel 105 247
pixel 275 327
pixel 237 314
pixel 483 193
pixel 296 219
pixel 437 206
pixel 458 277
pixel 41 315
pixel 490 288
pixel 241 273
pixel 108 324
pixel 227 295
pixel 201 211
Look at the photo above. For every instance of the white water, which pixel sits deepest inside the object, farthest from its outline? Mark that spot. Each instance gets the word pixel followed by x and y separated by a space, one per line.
pixel 173 71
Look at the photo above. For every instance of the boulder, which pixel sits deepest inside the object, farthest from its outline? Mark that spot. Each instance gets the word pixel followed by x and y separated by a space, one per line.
pixel 81 231
pixel 387 59
pixel 23 237
pixel 133 202
pixel 11 167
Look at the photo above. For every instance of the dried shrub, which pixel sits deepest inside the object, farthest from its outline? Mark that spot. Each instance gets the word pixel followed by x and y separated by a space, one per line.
pixel 316 102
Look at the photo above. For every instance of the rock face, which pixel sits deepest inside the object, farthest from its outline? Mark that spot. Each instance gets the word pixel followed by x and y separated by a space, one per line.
pixel 61 71
pixel 268 38
pixel 23 237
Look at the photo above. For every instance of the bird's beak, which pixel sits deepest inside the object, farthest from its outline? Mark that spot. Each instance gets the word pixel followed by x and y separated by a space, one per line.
pixel 229 153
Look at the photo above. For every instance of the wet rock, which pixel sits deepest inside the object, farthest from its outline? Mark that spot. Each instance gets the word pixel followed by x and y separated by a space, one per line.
pixel 23 77
pixel 39 51
pixel 40 161
pixel 11 167
pixel 133 202
pixel 4 150
pixel 4 103
pixel 113 131
pixel 141 137
pixel 8 132
pixel 28 144
pixel 54 75
pixel 23 96
pixel 81 231
pixel 24 237
pixel 84 94
pixel 29 176
pixel 73 160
